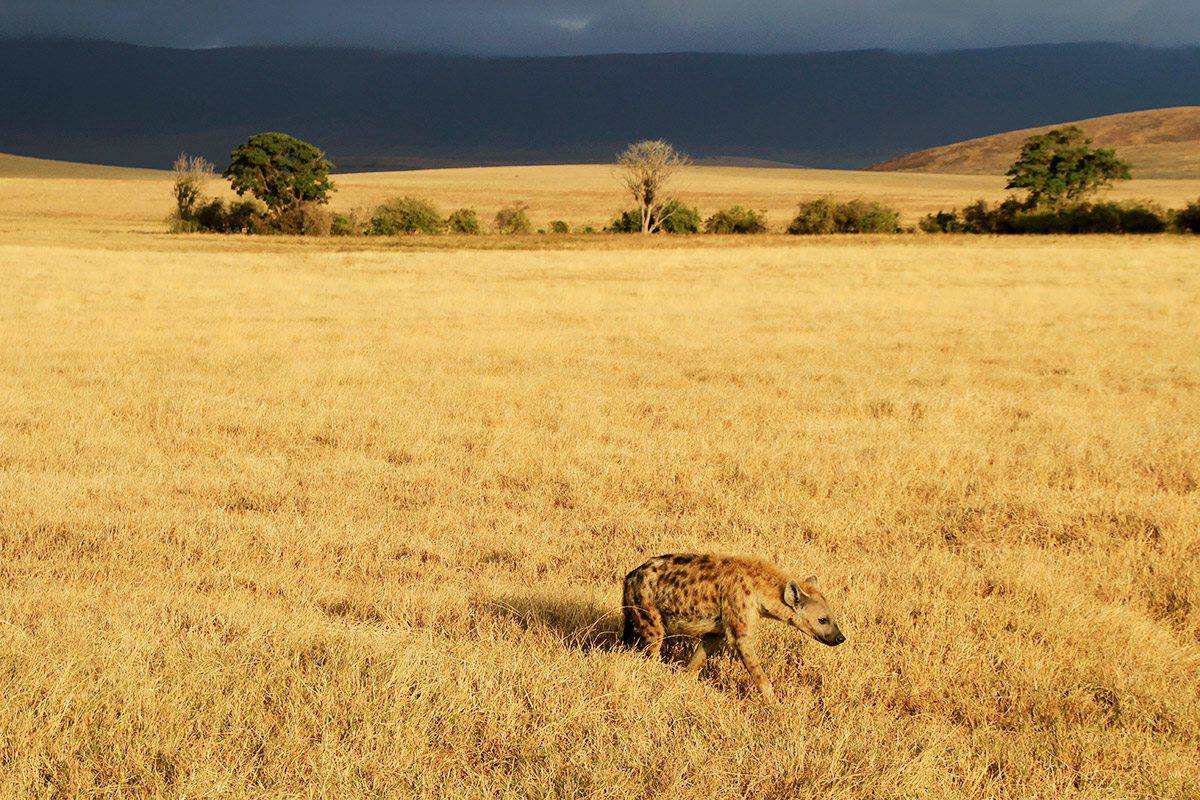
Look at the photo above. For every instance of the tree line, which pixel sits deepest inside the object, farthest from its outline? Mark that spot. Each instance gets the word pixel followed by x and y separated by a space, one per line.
pixel 289 187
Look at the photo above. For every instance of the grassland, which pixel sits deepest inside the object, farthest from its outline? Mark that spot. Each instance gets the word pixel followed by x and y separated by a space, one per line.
pixel 47 201
pixel 308 519
pixel 1158 143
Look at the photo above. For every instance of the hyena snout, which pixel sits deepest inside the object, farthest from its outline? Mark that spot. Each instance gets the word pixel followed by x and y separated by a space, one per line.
pixel 834 637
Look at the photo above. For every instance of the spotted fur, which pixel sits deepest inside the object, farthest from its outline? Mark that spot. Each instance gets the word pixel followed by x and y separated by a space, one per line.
pixel 714 600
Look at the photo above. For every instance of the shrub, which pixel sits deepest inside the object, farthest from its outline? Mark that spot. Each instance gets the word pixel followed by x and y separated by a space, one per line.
pixel 677 218
pixel 213 216
pixel 815 217
pixel 1187 219
pixel 626 222
pixel 941 222
pixel 1143 217
pixel 512 219
pixel 736 220
pixel 558 226
pixel 827 215
pixel 1014 216
pixel 191 174
pixel 861 216
pixel 405 215
pixel 465 221
pixel 315 220
pixel 352 224
pixel 245 216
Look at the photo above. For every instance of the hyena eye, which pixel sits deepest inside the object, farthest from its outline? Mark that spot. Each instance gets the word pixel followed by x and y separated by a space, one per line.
pixel 823 621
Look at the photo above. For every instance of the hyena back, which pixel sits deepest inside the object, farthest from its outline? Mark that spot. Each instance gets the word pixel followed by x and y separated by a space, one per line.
pixel 719 599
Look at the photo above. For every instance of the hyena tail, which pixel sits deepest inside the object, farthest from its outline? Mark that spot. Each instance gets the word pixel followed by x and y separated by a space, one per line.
pixel 629 637
pixel 643 622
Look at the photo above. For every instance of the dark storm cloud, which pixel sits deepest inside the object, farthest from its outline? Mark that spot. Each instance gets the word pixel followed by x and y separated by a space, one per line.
pixel 572 26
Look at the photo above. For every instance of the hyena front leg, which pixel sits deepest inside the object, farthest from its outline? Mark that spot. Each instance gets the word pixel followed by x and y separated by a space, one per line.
pixel 745 647
pixel 705 646
pixel 740 630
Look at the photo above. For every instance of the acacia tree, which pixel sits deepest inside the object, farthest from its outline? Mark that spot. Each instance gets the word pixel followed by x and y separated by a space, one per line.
pixel 191 174
pixel 1061 166
pixel 281 171
pixel 647 168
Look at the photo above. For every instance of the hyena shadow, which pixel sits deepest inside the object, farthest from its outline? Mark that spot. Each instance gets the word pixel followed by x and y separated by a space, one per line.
pixel 580 625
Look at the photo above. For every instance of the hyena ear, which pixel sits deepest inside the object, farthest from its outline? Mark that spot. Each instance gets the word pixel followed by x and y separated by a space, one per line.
pixel 792 595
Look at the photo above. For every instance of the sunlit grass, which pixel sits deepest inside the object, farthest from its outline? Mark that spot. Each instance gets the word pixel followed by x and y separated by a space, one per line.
pixel 284 518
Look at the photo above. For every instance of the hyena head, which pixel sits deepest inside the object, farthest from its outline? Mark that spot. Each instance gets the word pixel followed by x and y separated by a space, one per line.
pixel 810 611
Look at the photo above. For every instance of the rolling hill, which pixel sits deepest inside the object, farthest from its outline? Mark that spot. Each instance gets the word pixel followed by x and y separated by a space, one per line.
pixel 1160 143
pixel 375 110
pixel 12 166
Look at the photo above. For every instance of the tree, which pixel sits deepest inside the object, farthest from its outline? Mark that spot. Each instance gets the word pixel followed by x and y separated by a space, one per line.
pixel 1061 166
pixel 281 171
pixel 191 174
pixel 646 170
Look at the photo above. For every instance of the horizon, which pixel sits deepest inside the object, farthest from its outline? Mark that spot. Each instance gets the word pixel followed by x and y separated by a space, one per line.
pixel 365 48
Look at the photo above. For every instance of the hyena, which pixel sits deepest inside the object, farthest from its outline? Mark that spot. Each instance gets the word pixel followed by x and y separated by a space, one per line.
pixel 719 599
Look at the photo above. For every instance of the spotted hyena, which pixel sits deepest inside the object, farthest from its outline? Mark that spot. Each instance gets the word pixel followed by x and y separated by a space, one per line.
pixel 719 599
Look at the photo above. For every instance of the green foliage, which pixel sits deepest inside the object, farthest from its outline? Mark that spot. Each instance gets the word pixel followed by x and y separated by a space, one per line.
pixel 1187 219
pixel 405 215
pixel 345 225
pixel 676 218
pixel 214 216
pixel 558 226
pixel 1015 217
pixel 281 171
pixel 736 219
pixel 815 217
pixel 679 218
pixel 826 215
pixel 513 219
pixel 464 221
pixel 941 222
pixel 626 222
pixel 1061 167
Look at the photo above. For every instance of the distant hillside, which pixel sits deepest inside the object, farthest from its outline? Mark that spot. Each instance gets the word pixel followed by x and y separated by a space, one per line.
pixel 1161 143
pixel 139 106
pixel 25 167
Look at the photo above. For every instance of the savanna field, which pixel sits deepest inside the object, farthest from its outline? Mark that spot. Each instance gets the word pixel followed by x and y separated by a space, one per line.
pixel 289 518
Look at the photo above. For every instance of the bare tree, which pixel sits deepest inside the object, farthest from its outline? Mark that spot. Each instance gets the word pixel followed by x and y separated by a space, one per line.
pixel 646 169
pixel 191 174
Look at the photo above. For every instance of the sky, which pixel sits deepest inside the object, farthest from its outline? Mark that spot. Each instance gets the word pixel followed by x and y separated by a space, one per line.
pixel 560 27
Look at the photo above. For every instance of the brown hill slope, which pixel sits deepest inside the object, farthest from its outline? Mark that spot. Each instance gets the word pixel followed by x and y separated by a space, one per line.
pixel 26 167
pixel 1161 143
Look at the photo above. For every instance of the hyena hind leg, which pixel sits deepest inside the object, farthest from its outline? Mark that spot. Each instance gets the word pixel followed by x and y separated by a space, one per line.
pixel 705 646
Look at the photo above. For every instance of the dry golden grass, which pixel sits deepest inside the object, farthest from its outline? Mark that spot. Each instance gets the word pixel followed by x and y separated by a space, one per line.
pixel 58 200
pixel 279 519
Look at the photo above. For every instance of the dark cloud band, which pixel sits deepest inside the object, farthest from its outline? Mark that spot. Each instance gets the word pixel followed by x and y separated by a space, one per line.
pixel 509 27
